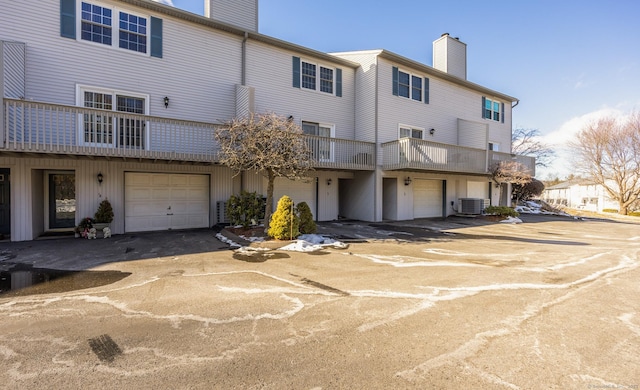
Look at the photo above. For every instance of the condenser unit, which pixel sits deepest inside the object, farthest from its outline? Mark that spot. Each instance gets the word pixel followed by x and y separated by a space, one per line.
pixel 470 206
pixel 221 212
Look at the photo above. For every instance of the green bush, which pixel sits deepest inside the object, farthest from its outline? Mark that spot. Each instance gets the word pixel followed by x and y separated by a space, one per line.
pixel 245 209
pixel 502 211
pixel 634 213
pixel 104 214
pixel 307 224
pixel 609 210
pixel 285 224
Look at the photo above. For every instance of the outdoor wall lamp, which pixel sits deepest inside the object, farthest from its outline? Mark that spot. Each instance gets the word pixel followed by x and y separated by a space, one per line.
pixel 166 101
pixel 290 118
pixel 329 181
pixel 407 181
pixel 432 131
pixel 100 178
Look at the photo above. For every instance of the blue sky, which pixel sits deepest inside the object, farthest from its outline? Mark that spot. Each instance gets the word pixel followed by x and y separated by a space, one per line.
pixel 568 61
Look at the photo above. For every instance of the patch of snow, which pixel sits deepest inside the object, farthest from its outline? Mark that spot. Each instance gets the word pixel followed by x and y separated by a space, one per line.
pixel 313 243
pixel 511 220
pixel 226 240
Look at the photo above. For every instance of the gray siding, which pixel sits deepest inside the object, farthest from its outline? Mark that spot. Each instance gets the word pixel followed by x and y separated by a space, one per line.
pixel 198 71
pixel 269 71
pixel 241 13
pixel 12 65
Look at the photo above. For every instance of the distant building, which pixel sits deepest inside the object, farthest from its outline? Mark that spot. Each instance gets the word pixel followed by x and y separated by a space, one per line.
pixel 579 194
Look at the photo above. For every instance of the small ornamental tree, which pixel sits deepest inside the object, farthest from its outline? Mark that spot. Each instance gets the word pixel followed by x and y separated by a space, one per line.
pixel 270 144
pixel 285 224
pixel 307 224
pixel 510 172
pixel 104 214
pixel 528 190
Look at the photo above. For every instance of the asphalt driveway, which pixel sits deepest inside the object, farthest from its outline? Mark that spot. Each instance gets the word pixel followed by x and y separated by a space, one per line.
pixel 550 303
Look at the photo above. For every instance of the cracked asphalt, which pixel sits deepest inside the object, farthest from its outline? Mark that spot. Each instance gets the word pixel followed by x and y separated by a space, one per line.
pixel 551 303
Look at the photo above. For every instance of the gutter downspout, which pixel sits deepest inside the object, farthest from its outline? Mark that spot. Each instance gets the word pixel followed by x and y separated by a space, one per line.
pixel 243 82
pixel 375 172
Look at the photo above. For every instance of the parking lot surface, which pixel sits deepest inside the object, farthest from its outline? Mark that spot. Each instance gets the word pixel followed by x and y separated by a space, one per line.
pixel 549 303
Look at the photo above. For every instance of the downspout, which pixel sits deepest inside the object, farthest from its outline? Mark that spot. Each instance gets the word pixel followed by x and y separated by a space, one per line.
pixel 375 172
pixel 243 82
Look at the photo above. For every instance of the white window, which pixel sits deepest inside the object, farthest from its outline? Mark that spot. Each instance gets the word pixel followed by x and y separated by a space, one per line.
pixel 492 109
pixel 317 77
pixel 410 132
pixel 494 146
pixel 320 144
pixel 113 27
pixel 119 130
pixel 410 86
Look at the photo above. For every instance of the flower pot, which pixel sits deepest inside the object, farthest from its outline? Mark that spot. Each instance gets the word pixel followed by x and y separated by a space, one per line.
pixel 99 227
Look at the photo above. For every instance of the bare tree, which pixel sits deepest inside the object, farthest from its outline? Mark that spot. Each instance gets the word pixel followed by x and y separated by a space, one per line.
pixel 510 171
pixel 526 142
pixel 267 143
pixel 608 153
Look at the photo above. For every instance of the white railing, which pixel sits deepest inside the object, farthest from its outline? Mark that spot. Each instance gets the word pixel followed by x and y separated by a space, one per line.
pixel 37 127
pixel 411 153
pixel 335 153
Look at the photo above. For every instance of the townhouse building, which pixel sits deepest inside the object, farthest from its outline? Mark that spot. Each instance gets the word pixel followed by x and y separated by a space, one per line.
pixel 119 99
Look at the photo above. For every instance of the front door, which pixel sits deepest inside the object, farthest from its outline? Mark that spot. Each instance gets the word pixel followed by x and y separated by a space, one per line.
pixel 5 204
pixel 62 200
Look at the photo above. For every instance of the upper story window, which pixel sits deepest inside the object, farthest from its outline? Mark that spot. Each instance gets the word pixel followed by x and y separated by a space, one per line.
pixel 111 27
pixel 492 109
pixel 321 148
pixel 410 86
pixel 410 132
pixel 133 32
pixel 96 24
pixel 316 77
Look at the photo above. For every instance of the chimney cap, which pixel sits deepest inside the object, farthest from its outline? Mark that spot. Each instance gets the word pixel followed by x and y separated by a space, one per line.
pixel 444 34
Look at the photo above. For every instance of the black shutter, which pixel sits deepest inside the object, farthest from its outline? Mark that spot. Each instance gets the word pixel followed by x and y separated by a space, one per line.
pixel 395 81
pixel 296 72
pixel 339 82
pixel 484 102
pixel 68 18
pixel 156 37
pixel 426 90
pixel 502 113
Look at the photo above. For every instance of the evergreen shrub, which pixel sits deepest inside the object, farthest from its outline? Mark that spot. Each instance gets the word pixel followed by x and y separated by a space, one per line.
pixel 285 224
pixel 307 224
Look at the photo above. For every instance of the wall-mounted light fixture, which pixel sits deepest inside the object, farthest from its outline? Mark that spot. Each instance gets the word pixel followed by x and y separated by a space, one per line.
pixel 290 118
pixel 407 181
pixel 166 101
pixel 432 131
pixel 100 178
pixel 329 181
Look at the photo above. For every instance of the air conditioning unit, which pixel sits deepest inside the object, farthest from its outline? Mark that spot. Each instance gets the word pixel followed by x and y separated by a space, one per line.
pixel 221 212
pixel 470 206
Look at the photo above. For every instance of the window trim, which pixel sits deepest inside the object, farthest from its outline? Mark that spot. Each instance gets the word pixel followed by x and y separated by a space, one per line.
pixel 492 112
pixel 81 89
pixel 318 79
pixel 424 85
pixel 412 129
pixel 115 27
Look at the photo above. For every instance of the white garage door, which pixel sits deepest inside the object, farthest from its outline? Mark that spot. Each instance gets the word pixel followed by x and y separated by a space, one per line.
pixel 427 198
pixel 297 190
pixel 161 201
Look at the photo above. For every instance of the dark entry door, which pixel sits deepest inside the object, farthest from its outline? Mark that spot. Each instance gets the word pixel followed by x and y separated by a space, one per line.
pixel 5 204
pixel 62 200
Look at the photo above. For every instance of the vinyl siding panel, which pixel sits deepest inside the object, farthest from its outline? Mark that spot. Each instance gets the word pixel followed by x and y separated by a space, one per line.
pixel 241 13
pixel 448 103
pixel 269 71
pixel 28 191
pixel 13 68
pixel 198 77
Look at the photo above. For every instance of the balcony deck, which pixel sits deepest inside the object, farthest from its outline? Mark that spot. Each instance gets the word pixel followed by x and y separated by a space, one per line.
pixel 54 129
pixel 416 154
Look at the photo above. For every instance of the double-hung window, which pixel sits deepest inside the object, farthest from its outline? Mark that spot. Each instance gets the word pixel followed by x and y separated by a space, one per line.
pixel 316 77
pixel 321 144
pixel 111 26
pixel 492 109
pixel 116 129
pixel 410 86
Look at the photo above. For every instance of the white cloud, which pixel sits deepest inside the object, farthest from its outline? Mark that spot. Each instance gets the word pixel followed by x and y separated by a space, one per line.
pixel 165 2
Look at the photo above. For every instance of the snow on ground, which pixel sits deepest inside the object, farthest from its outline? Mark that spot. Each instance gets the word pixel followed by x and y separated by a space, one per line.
pixel 531 207
pixel 304 243
pixel 511 220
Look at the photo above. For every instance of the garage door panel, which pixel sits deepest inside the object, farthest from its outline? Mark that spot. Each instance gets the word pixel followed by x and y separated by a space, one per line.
pixel 297 190
pixel 157 201
pixel 427 198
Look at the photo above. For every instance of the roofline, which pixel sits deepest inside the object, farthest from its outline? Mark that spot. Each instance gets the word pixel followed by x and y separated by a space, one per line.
pixel 217 25
pixel 443 75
